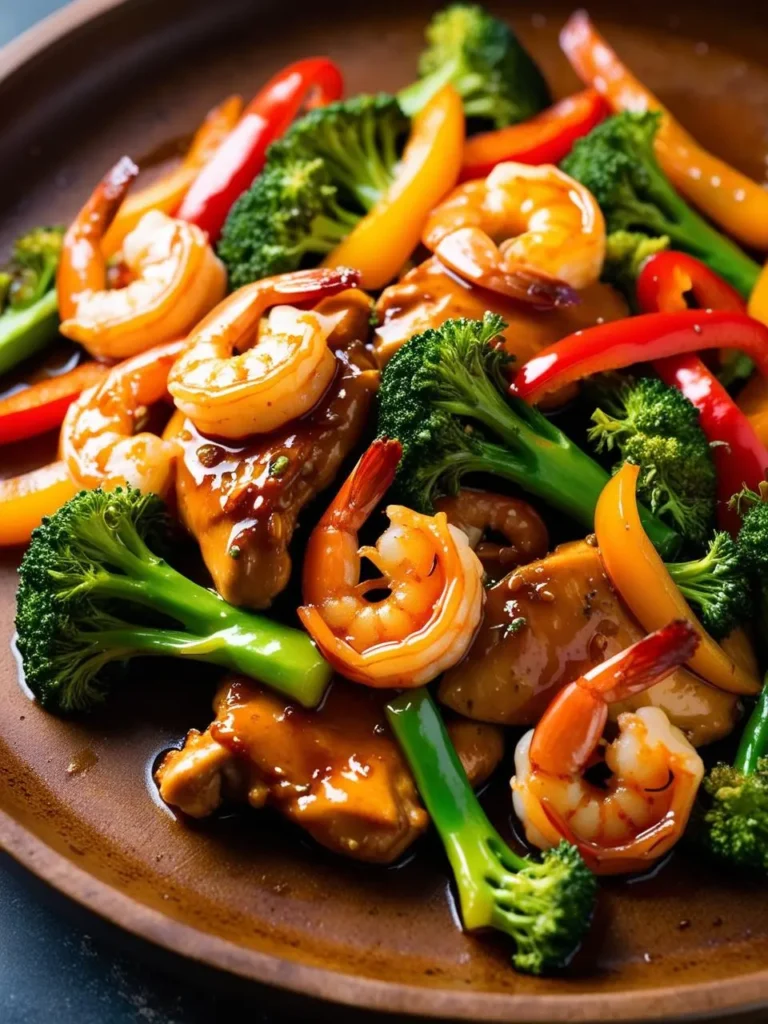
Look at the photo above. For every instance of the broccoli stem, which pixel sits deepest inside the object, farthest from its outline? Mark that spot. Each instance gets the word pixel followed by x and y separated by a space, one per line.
pixel 277 655
pixel 546 463
pixel 472 844
pixel 25 331
pixel 754 739
pixel 414 97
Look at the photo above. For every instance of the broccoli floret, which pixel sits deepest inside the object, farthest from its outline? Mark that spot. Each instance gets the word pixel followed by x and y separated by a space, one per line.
pixel 497 79
pixel 716 585
pixel 736 821
pixel 441 396
pixel 625 254
pixel 616 162
pixel 90 594
pixel 545 906
pixel 28 301
pixel 320 179
pixel 655 427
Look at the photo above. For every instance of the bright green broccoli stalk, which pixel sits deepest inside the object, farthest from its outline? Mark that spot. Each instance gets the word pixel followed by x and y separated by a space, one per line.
pixel 545 906
pixel 736 821
pixel 625 254
pixel 442 397
pixel 716 586
pixel 655 427
pixel 28 302
pixel 497 79
pixel 320 179
pixel 91 590
pixel 616 162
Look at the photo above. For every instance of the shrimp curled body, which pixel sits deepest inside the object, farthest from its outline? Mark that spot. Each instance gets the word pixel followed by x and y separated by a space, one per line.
pixel 239 376
pixel 636 816
pixel 174 277
pixel 480 513
pixel 528 232
pixel 428 619
pixel 97 440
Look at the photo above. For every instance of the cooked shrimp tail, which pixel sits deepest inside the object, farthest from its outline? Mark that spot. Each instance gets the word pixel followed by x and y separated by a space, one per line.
pixel 366 485
pixel 81 267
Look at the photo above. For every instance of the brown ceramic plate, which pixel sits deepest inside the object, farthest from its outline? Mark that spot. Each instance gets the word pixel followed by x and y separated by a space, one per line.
pixel 76 800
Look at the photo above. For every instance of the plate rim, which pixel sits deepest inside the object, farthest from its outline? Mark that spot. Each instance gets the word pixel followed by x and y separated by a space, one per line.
pixel 742 993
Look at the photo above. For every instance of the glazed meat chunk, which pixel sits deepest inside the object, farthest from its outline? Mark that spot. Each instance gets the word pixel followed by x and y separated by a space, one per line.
pixel 335 771
pixel 242 500
pixel 548 622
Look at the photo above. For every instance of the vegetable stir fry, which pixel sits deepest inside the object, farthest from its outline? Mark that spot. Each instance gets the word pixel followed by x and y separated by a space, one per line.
pixel 473 380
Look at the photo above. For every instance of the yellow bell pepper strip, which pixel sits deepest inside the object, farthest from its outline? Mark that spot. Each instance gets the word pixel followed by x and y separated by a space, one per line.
pixel 639 575
pixel 384 239
pixel 25 499
pixel 735 202
pixel 167 193
pixel 758 300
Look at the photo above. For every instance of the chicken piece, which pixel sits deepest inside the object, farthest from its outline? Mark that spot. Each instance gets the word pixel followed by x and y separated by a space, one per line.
pixel 546 624
pixel 429 295
pixel 335 771
pixel 241 500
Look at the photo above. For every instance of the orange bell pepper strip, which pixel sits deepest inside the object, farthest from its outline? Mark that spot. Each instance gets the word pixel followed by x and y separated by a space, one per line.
pixel 25 499
pixel 735 202
pixel 384 239
pixel 167 193
pixel 639 575
pixel 758 300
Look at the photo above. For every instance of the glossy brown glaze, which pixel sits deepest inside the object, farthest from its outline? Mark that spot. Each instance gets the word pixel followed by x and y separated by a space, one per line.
pixel 241 501
pixel 335 772
pixel 546 624
pixel 244 894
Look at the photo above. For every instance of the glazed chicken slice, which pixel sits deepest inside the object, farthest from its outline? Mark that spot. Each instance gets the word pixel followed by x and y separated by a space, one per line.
pixel 430 294
pixel 241 500
pixel 336 771
pixel 547 623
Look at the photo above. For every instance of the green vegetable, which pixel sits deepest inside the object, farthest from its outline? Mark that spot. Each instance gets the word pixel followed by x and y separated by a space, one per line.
pixel 497 79
pixel 625 254
pixel 90 594
pixel 616 162
pixel 657 428
pixel 716 585
pixel 736 821
pixel 545 906
pixel 29 317
pixel 320 179
pixel 441 397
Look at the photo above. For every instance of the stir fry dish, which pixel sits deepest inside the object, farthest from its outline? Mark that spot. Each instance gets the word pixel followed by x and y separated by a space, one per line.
pixel 439 422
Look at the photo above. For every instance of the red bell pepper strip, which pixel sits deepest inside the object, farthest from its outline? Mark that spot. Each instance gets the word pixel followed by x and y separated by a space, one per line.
pixel 741 459
pixel 42 405
pixel 241 156
pixel 639 339
pixel 544 139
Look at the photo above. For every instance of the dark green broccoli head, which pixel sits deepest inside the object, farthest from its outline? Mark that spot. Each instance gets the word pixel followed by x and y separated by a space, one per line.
pixel 655 427
pixel 547 907
pixel 717 585
pixel 66 564
pixel 32 267
pixel 625 254
pixel 617 163
pixel 736 823
pixel 753 536
pixel 481 56
pixel 431 377
pixel 320 179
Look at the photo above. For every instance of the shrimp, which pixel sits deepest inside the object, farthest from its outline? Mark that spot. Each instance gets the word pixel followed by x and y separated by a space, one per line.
pixel 531 233
pixel 282 375
pixel 479 512
pixel 434 604
pixel 97 440
pixel 171 276
pixel 642 810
